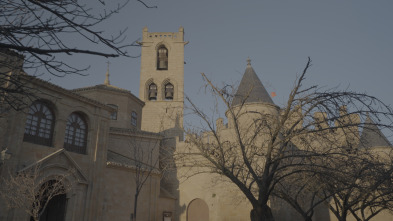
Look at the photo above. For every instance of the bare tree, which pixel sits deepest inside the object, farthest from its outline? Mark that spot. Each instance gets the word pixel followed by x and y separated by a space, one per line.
pixel 261 148
pixel 31 191
pixel 302 192
pixel 34 33
pixel 357 183
pixel 149 159
pixel 361 185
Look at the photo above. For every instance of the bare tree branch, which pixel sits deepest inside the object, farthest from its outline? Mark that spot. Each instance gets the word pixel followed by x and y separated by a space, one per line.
pixel 264 149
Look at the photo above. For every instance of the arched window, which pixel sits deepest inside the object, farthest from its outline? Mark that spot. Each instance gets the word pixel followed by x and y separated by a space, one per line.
pixel 162 58
pixel 39 124
pixel 114 113
pixel 152 92
pixel 76 134
pixel 169 91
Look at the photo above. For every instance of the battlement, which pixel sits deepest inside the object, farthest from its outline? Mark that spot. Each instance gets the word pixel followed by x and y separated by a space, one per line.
pixel 172 35
pixel 343 128
pixel 163 35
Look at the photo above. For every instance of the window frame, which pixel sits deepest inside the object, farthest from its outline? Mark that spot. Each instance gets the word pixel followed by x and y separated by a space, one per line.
pixel 149 90
pixel 134 118
pixel 78 139
pixel 166 58
pixel 42 132
pixel 113 115
pixel 165 91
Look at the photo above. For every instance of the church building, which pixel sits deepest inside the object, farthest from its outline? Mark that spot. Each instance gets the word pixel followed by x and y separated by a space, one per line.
pixel 111 146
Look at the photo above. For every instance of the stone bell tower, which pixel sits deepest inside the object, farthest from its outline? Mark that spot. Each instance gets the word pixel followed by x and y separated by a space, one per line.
pixel 162 80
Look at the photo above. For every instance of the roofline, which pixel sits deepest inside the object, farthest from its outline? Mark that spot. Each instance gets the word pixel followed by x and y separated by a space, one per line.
pixel 120 90
pixel 112 164
pixel 64 91
pixel 134 132
pixel 256 102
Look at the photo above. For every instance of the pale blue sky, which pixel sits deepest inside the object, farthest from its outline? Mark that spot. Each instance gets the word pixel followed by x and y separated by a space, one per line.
pixel 350 43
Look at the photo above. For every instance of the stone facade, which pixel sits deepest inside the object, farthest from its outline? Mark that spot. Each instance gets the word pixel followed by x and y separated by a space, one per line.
pixel 103 184
pixel 160 113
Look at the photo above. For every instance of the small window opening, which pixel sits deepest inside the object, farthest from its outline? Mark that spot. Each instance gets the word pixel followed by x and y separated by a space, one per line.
pixel 114 113
pixel 169 91
pixel 152 92
pixel 134 118
pixel 162 58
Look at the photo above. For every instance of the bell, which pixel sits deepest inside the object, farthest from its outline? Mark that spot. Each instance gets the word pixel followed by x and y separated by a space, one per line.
pixel 162 59
pixel 152 95
pixel 169 95
pixel 163 64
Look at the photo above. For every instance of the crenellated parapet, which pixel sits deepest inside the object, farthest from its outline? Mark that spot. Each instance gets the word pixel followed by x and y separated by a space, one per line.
pixel 179 36
pixel 347 128
pixel 321 121
pixel 322 129
pixel 294 120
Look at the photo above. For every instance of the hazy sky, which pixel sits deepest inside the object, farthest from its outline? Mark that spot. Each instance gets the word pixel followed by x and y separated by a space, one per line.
pixel 350 43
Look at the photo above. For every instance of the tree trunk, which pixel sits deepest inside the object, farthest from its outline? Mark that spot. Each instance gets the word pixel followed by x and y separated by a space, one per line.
pixel 135 205
pixel 261 213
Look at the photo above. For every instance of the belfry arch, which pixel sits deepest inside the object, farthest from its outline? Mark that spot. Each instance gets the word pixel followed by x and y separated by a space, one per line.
pixel 168 90
pixel 162 57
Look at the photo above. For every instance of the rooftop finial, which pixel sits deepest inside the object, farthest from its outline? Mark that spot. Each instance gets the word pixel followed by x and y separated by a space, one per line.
pixel 107 74
pixel 248 61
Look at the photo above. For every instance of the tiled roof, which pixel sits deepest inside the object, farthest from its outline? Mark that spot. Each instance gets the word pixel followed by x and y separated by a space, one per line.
pixel 108 87
pixel 132 131
pixel 103 86
pixel 119 160
pixel 251 89
pixel 70 93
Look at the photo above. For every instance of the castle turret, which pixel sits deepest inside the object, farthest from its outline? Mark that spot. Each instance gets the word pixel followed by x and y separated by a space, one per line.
pixel 251 99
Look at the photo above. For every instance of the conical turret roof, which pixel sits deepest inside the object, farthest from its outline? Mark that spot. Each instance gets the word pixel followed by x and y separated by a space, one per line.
pixel 372 136
pixel 251 89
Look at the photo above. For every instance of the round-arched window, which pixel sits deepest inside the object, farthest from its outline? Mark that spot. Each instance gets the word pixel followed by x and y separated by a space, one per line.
pixel 39 124
pixel 162 58
pixel 76 134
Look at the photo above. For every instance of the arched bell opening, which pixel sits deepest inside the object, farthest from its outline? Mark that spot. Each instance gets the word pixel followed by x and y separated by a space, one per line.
pixel 169 91
pixel 152 92
pixel 162 58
